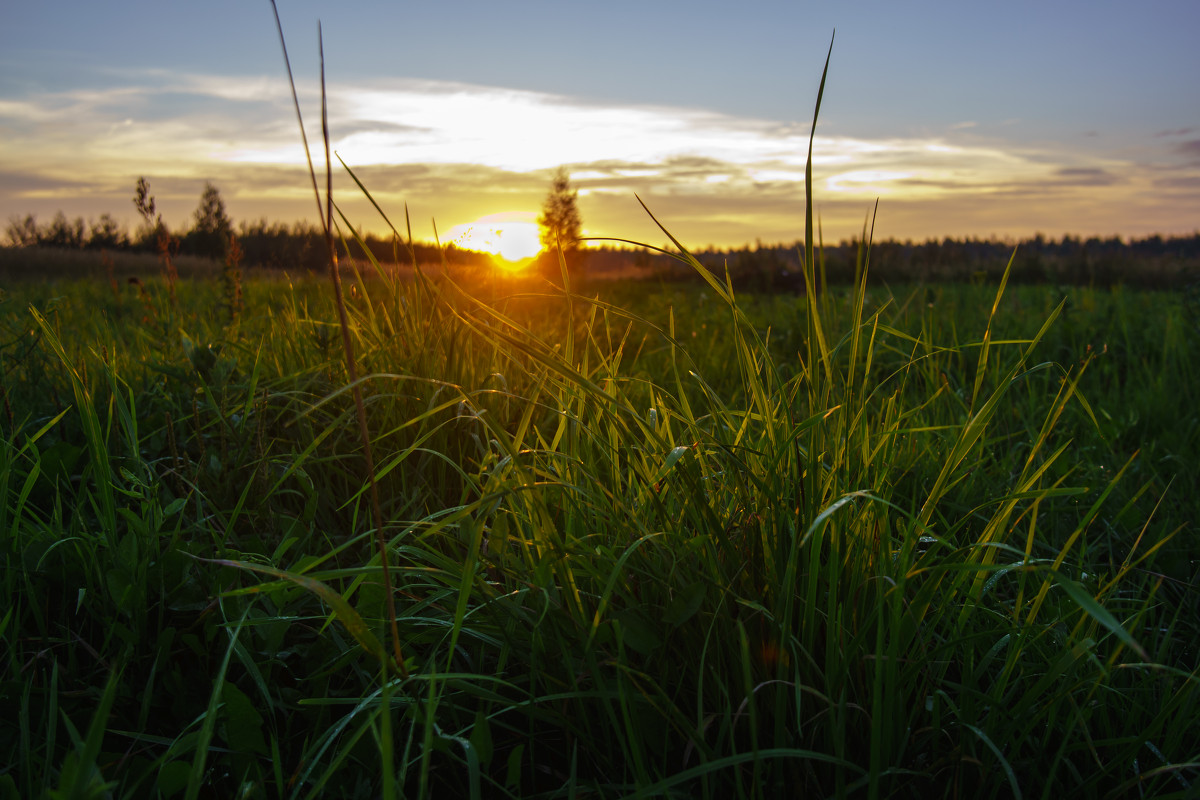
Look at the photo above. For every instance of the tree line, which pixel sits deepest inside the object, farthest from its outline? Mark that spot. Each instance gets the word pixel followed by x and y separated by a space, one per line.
pixel 1152 261
pixel 260 243
pixel 298 246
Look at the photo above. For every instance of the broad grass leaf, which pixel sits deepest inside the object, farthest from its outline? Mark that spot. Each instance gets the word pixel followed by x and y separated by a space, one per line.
pixel 512 772
pixel 685 604
pixel 1099 613
pixel 637 632
pixel 243 723
pixel 173 778
pixel 481 737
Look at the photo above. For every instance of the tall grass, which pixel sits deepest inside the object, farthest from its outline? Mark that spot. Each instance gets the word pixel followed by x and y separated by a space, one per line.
pixel 845 545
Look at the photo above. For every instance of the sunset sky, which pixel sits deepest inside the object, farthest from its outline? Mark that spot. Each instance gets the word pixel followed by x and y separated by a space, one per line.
pixel 963 119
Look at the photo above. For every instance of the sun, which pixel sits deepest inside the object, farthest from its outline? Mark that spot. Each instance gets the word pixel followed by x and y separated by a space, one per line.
pixel 511 235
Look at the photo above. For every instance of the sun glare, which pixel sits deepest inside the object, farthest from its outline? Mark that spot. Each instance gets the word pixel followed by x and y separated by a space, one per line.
pixel 512 236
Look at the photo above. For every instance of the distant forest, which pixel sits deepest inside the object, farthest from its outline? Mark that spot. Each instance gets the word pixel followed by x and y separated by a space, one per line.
pixel 1151 262
pixel 269 245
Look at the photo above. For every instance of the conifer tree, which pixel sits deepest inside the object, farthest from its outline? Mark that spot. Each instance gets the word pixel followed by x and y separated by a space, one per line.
pixel 561 226
pixel 208 236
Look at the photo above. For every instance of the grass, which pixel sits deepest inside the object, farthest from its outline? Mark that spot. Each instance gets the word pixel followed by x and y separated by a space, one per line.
pixel 916 542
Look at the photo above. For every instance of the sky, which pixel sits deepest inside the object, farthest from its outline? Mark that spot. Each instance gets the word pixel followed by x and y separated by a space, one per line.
pixel 961 119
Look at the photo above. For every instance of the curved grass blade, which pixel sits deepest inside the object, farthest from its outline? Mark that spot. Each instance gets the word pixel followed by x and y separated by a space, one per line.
pixel 350 619
pixel 1093 609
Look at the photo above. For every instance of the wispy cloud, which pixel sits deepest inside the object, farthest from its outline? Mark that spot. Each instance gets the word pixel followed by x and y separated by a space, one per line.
pixel 1084 176
pixel 1189 149
pixel 459 152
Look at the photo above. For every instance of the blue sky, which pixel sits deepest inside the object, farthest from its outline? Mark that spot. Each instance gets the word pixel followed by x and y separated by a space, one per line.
pixel 987 119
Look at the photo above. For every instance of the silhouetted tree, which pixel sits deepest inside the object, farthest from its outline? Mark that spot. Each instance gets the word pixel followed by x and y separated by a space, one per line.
pixel 63 232
pixel 107 234
pixel 561 227
pixel 22 232
pixel 209 235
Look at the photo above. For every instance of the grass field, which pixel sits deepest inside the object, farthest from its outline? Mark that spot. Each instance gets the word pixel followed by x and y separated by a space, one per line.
pixel 644 543
pixel 640 541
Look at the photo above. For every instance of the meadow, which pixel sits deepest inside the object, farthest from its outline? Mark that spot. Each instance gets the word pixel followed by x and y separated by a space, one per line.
pixel 650 541
pixel 611 540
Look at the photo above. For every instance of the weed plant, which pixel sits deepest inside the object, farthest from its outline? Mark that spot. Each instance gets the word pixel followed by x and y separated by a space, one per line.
pixel 871 544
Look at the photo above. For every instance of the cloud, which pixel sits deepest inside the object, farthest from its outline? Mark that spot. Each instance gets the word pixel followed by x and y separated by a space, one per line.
pixel 1190 149
pixel 1084 176
pixel 457 152
pixel 1179 182
pixel 31 183
pixel 524 131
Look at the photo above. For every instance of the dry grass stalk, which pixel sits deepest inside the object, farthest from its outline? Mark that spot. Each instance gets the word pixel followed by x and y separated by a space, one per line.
pixel 326 216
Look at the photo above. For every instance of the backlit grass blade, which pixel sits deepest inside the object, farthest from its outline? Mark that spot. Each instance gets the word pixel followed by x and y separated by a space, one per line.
pixel 818 351
pixel 95 434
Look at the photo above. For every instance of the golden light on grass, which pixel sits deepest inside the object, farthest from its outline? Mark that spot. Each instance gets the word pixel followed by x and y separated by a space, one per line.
pixel 512 236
